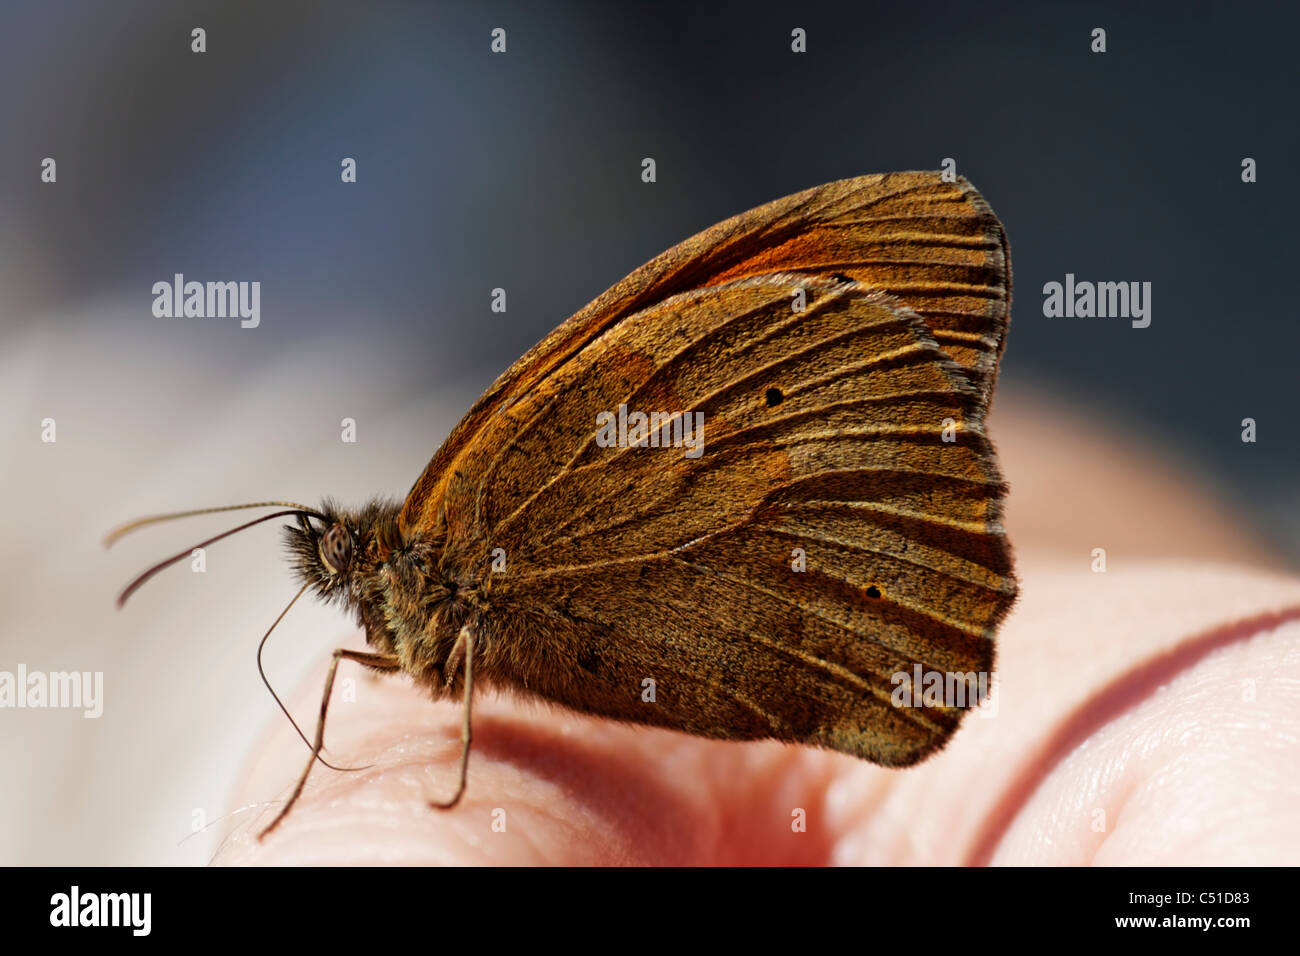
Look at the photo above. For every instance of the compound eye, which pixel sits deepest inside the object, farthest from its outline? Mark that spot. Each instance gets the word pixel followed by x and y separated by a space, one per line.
pixel 336 549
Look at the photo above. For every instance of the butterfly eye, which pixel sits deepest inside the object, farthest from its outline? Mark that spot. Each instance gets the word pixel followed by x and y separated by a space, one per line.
pixel 336 549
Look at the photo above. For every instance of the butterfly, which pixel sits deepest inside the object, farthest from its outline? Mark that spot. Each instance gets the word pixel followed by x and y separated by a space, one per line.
pixel 738 495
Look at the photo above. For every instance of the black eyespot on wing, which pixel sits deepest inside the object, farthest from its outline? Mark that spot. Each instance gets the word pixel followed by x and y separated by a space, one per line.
pixel 774 397
pixel 873 592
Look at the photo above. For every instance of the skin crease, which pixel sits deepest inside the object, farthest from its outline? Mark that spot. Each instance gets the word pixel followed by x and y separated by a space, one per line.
pixel 1148 715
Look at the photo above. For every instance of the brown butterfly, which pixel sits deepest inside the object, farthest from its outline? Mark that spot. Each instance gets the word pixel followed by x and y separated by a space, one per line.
pixel 807 507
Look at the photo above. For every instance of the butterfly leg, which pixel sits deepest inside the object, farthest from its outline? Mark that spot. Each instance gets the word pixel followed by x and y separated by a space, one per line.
pixel 379 662
pixel 465 645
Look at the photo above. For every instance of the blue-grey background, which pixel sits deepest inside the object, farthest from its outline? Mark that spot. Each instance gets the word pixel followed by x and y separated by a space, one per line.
pixel 522 171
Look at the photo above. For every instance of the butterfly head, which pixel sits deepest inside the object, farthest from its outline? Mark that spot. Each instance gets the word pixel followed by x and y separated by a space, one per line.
pixel 338 552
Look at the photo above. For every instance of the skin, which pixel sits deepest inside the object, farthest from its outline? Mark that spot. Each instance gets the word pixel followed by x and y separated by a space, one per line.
pixel 1145 716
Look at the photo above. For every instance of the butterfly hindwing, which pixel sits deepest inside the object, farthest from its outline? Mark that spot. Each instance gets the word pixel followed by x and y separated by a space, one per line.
pixel 741 581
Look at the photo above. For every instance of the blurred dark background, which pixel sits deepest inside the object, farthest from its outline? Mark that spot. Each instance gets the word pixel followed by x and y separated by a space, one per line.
pixel 522 171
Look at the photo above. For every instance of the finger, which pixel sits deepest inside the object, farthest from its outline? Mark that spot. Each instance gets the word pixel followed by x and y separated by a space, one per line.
pixel 544 787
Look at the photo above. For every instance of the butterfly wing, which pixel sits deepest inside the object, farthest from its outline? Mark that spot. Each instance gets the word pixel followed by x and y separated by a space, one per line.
pixel 936 245
pixel 840 526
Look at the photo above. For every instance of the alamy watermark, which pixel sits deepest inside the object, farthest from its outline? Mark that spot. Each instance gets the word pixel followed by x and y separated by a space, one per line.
pixel 75 908
pixel 1102 300
pixel 626 429
pixel 923 688
pixel 71 690
pixel 209 300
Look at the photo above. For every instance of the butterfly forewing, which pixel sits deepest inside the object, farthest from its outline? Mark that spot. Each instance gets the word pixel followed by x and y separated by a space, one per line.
pixel 934 244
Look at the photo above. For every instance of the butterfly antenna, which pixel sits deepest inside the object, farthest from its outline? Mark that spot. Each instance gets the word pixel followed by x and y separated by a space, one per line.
pixel 124 529
pixel 131 588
